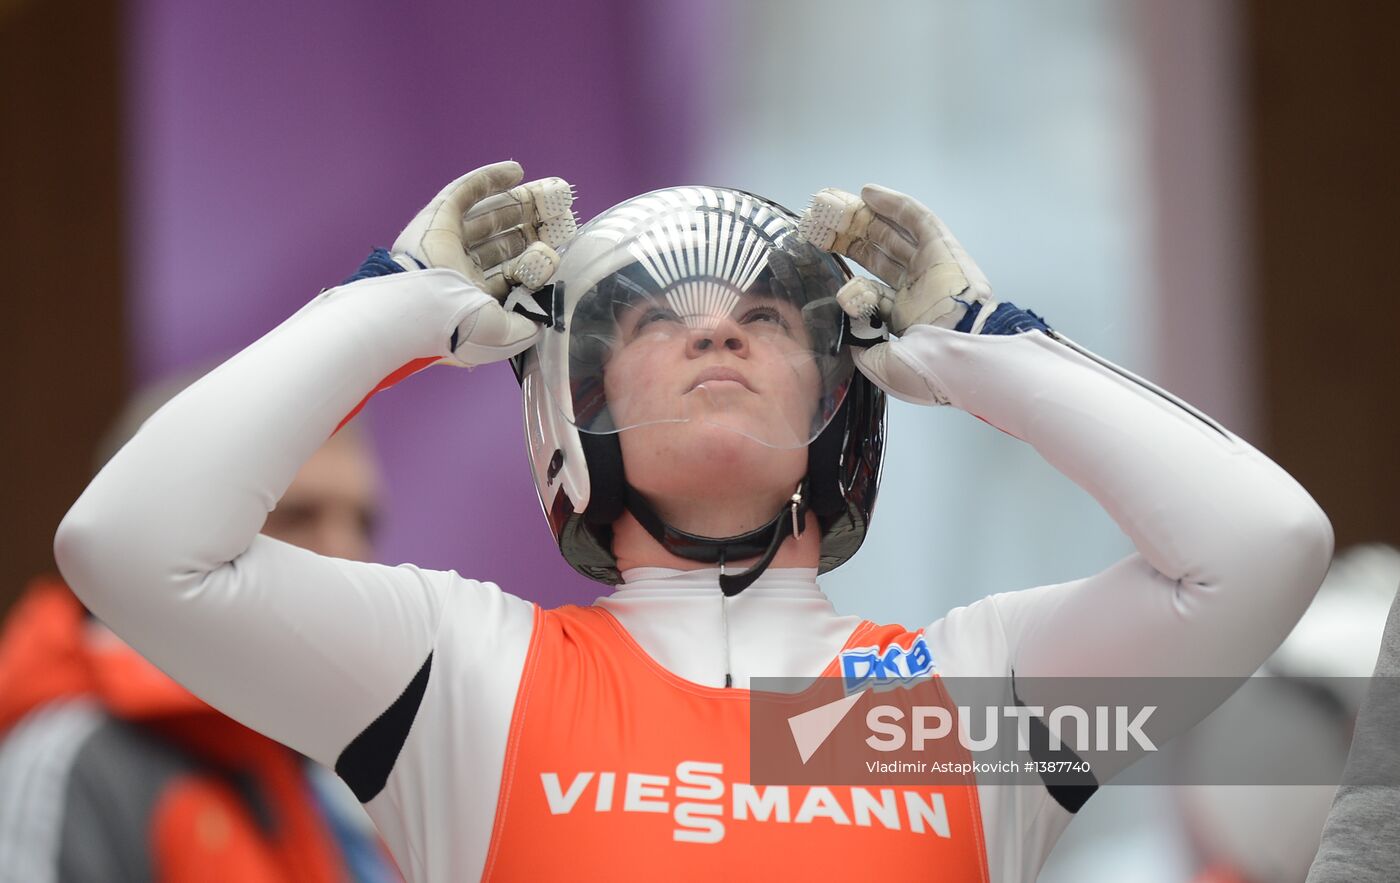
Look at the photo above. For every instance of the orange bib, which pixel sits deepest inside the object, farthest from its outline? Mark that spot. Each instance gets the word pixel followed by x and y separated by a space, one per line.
pixel 616 769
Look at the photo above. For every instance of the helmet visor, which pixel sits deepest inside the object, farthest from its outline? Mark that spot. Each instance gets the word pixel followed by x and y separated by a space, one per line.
pixel 702 305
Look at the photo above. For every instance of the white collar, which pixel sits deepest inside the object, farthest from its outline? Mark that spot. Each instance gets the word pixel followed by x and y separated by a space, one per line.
pixel 786 582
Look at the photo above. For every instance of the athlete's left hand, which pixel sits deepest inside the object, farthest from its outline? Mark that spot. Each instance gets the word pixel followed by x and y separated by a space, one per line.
pixel 926 278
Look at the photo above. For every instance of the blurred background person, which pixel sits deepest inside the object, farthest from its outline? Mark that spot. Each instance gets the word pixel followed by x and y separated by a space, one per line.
pixel 1360 840
pixel 1260 827
pixel 110 771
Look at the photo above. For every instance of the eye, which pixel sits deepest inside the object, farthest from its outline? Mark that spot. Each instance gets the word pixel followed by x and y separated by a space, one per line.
pixel 767 315
pixel 655 314
pixel 368 521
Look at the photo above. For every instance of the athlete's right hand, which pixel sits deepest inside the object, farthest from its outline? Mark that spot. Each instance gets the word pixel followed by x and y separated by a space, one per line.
pixel 495 236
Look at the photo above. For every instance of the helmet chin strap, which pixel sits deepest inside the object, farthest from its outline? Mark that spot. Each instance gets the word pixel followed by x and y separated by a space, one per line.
pixel 763 541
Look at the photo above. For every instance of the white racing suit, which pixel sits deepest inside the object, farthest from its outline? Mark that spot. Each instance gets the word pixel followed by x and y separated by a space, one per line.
pixel 490 738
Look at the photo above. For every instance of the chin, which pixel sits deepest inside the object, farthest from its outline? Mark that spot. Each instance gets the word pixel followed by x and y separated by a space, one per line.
pixel 694 459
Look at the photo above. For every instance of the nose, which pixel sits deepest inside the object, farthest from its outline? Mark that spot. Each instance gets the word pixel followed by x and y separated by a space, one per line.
pixel 725 334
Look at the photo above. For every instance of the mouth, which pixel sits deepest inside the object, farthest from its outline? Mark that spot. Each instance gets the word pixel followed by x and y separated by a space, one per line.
pixel 715 376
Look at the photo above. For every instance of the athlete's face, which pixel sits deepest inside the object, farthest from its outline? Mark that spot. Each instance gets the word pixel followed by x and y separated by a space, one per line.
pixel 332 505
pixel 727 397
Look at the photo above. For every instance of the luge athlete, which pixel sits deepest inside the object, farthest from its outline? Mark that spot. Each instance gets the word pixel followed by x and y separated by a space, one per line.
pixel 706 434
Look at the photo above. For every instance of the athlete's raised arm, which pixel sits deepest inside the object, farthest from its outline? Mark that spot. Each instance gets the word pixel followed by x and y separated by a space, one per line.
pixel 163 546
pixel 1230 549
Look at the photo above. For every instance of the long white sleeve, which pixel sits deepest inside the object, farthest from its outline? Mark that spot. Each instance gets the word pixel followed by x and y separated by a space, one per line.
pixel 1230 549
pixel 163 545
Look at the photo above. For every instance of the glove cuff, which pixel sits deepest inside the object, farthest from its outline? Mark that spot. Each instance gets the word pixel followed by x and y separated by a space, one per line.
pixel 379 263
pixel 1007 318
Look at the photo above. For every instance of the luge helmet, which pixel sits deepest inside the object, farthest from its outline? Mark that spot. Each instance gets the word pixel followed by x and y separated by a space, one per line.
pixel 675 265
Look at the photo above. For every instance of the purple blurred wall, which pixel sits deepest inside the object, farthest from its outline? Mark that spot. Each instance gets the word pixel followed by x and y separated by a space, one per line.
pixel 274 144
